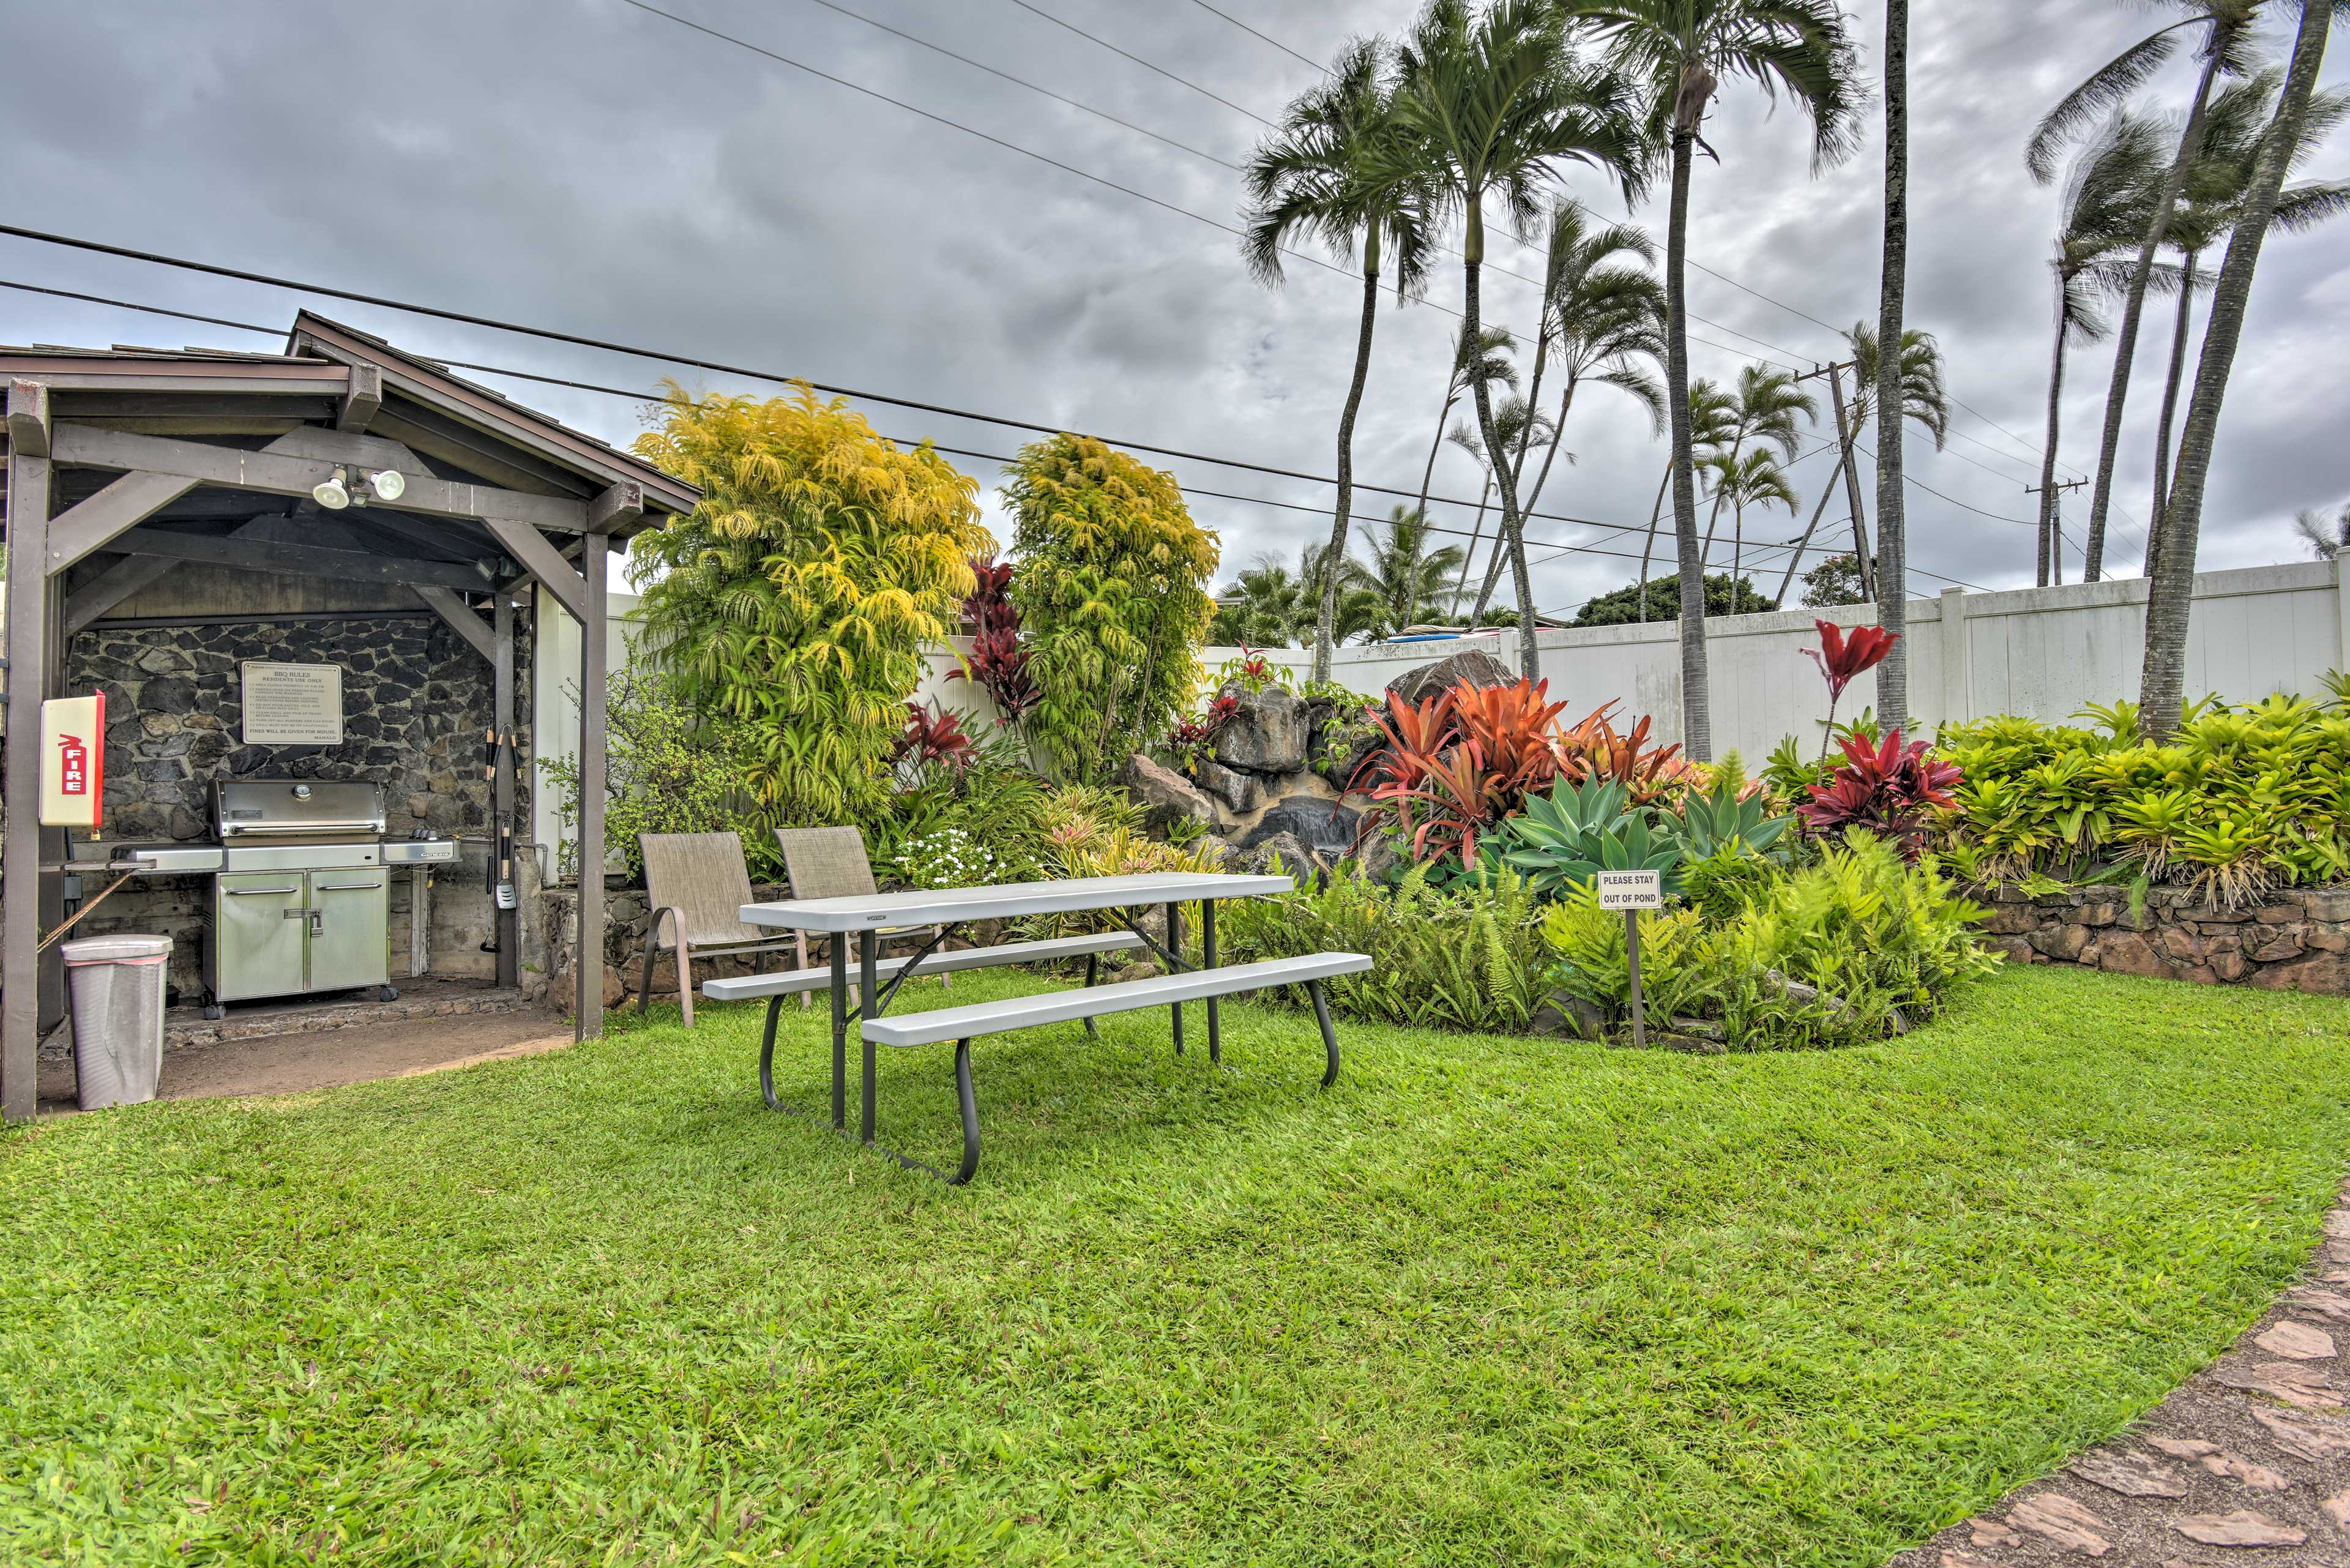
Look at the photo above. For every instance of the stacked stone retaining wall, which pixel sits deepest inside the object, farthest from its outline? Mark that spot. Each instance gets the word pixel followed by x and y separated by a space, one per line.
pixel 2289 941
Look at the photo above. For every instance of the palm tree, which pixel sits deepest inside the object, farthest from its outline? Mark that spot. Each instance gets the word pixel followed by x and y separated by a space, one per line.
pixel 1484 362
pixel 2168 594
pixel 1768 402
pixel 1521 426
pixel 1602 319
pixel 2225 48
pixel 1753 479
pixel 1405 576
pixel 2103 212
pixel 1892 512
pixel 1712 421
pixel 1497 102
pixel 1925 401
pixel 2237 121
pixel 1330 169
pixel 2329 538
pixel 1682 50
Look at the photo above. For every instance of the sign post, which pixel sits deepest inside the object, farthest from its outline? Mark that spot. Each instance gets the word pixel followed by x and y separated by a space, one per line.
pixel 1633 892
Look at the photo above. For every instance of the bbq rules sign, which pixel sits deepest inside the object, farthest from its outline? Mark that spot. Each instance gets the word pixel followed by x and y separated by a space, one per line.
pixel 73 761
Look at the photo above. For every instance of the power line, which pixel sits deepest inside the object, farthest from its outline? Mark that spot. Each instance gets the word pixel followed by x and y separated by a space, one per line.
pixel 1138 60
pixel 1252 33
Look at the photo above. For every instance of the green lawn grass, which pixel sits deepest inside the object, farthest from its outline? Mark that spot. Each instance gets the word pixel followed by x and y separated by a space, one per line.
pixel 1486 1301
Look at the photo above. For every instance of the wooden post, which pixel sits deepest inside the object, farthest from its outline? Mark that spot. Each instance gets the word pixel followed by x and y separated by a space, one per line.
pixel 27 643
pixel 1846 436
pixel 593 553
pixel 508 916
pixel 1632 961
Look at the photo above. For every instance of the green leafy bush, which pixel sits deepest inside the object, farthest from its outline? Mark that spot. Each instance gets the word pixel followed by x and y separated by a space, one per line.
pixel 1565 839
pixel 1680 972
pixel 1467 957
pixel 667 769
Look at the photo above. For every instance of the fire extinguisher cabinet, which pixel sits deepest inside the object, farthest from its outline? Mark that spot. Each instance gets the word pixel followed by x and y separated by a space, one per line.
pixel 115 985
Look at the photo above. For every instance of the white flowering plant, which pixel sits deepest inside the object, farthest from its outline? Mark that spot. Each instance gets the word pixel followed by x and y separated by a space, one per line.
pixel 953 858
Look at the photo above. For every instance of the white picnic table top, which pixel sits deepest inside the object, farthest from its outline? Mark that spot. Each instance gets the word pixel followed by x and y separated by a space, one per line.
pixel 945 906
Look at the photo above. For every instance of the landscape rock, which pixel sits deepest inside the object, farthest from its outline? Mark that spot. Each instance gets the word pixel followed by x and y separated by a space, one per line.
pixel 1323 826
pixel 2132 1475
pixel 1343 746
pixel 1266 733
pixel 1380 858
pixel 1474 666
pixel 2242 1528
pixel 1165 795
pixel 2325 974
pixel 2297 1341
pixel 1239 792
pixel 1284 854
pixel 2062 1521
pixel 1562 1015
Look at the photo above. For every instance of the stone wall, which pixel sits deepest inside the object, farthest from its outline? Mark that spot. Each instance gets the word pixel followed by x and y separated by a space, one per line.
pixel 417 700
pixel 2293 942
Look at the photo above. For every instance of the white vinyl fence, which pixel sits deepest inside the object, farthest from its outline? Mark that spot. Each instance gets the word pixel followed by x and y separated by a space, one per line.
pixel 2042 652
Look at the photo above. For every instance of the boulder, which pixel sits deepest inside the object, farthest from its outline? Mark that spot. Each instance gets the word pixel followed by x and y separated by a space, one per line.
pixel 1240 792
pixel 1165 795
pixel 1474 666
pixel 1289 853
pixel 1380 858
pixel 1563 1016
pixel 1266 733
pixel 1343 745
pixel 2321 974
pixel 2126 952
pixel 1323 826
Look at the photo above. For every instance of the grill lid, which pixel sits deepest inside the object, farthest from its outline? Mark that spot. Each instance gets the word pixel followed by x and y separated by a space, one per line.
pixel 292 808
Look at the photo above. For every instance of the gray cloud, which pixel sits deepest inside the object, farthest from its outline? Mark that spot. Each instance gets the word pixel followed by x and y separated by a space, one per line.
pixel 580 164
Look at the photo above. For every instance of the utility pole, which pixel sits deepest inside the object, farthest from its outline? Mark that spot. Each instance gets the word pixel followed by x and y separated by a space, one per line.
pixel 1861 553
pixel 2052 537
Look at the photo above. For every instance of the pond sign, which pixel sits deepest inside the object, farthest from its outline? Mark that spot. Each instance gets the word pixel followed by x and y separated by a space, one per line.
pixel 1633 892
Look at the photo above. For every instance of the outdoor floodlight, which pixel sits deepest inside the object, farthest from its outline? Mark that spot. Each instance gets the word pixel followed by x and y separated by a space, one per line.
pixel 388 485
pixel 331 494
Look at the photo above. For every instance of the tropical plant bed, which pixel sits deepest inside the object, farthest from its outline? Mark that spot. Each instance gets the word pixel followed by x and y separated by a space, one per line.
pixel 2287 941
pixel 1492 1300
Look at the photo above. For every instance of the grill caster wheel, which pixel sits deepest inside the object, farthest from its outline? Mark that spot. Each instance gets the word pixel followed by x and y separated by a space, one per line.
pixel 387 994
pixel 213 1011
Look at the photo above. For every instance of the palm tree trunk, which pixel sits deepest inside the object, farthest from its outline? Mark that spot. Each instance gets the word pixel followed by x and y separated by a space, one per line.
pixel 1697 697
pixel 2174 185
pixel 1472 252
pixel 1713 518
pixel 1737 551
pixel 2169 596
pixel 1342 524
pixel 1557 439
pixel 1648 549
pixel 2048 446
pixel 1805 541
pixel 1526 506
pixel 1476 532
pixel 2179 331
pixel 1892 527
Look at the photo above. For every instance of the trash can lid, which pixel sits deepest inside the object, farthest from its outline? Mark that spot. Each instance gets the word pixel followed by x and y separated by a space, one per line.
pixel 114 949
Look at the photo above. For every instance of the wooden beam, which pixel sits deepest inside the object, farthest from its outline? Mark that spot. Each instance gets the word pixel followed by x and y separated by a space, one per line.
pixel 617 507
pixel 94 523
pixel 546 563
pixel 362 400
pixel 273 473
pixel 28 418
pixel 346 448
pixel 27 596
pixel 111 587
pixel 451 607
pixel 300 560
pixel 357 523
pixel 592 676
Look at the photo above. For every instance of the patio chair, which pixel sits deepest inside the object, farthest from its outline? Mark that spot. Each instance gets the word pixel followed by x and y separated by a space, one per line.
pixel 697 884
pixel 831 863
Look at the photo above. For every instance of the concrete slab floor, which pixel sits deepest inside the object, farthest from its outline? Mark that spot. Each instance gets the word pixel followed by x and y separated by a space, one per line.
pixel 291 1063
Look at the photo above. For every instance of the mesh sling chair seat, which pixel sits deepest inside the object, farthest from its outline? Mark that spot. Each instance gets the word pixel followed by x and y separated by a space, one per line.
pixel 831 863
pixel 697 884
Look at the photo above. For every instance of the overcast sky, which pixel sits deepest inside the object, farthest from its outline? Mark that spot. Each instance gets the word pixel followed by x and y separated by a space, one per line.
pixel 585 165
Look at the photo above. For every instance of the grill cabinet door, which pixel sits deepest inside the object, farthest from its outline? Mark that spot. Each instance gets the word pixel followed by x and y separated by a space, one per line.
pixel 260 928
pixel 349 945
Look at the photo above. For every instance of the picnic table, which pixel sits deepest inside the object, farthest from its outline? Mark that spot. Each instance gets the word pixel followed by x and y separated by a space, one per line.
pixel 864 916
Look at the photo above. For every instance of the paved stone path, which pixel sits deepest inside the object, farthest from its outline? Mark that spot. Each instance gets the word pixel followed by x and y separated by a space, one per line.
pixel 2247 1462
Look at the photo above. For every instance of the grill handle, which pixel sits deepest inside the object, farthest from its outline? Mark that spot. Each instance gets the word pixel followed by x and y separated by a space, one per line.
pixel 348 887
pixel 257 892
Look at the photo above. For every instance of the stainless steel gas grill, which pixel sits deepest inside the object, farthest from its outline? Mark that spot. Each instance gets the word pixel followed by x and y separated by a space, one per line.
pixel 302 902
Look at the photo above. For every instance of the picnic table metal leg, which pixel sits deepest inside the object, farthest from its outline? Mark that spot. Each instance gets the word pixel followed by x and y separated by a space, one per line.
pixel 1175 948
pixel 868 990
pixel 1208 960
pixel 1329 1035
pixel 839 1033
pixel 1093 974
pixel 969 1105
pixel 767 1053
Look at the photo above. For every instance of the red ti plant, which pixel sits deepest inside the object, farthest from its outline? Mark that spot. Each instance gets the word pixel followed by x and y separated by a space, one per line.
pixel 1190 739
pixel 931 740
pixel 1842 658
pixel 996 662
pixel 1885 788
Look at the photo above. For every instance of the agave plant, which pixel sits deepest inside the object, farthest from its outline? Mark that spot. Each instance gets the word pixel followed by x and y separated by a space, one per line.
pixel 1723 818
pixel 1567 837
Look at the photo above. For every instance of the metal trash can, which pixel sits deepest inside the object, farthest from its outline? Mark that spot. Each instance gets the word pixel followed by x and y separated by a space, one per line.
pixel 116 988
